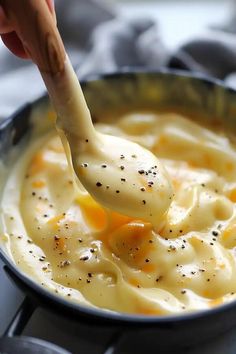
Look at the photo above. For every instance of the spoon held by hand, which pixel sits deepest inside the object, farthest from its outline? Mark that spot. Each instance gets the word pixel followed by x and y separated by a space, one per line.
pixel 119 174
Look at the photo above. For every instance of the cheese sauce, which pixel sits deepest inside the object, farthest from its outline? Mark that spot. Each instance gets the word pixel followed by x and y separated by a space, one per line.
pixel 62 238
pixel 110 168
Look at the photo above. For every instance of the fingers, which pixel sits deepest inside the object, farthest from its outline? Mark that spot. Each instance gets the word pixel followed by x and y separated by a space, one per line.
pixel 9 36
pixel 5 26
pixel 50 5
pixel 14 44
pixel 51 8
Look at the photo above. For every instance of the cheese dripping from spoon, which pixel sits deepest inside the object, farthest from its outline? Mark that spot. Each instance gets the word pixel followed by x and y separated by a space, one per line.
pixel 119 174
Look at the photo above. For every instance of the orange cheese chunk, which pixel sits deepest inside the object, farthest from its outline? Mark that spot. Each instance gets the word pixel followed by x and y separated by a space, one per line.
pixel 54 222
pixel 230 231
pixel 37 164
pixel 148 311
pixel 38 184
pixel 94 214
pixel 232 196
pixel 216 302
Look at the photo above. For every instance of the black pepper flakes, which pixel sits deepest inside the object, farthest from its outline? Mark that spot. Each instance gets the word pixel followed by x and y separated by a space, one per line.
pixel 122 167
pixel 84 258
pixel 64 263
pixel 42 258
pixel 159 278
pixel 98 184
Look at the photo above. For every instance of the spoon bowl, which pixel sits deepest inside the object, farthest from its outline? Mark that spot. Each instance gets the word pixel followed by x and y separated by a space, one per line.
pixel 128 176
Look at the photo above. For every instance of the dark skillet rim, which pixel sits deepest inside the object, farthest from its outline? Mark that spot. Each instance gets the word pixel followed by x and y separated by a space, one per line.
pixel 107 316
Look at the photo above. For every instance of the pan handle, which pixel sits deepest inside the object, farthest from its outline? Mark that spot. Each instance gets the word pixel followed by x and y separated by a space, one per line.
pixel 21 318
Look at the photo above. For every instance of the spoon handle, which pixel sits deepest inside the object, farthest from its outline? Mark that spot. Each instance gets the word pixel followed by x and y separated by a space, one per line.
pixel 36 27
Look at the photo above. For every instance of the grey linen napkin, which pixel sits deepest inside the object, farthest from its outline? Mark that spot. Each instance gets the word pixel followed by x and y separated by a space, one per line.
pixel 99 40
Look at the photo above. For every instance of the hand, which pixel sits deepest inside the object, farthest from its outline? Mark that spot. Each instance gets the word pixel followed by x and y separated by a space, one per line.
pixel 9 36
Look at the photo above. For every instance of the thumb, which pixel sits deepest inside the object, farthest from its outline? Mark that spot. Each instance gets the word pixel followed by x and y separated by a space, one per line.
pixel 9 36
pixel 5 26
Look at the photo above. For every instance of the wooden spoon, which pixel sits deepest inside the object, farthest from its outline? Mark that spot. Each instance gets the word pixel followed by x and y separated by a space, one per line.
pixel 119 174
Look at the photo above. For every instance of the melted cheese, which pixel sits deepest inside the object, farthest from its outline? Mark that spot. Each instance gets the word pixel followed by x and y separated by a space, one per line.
pixel 65 240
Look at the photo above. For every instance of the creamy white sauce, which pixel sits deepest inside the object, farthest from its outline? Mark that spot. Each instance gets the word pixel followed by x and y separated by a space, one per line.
pixel 64 240
pixel 112 169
